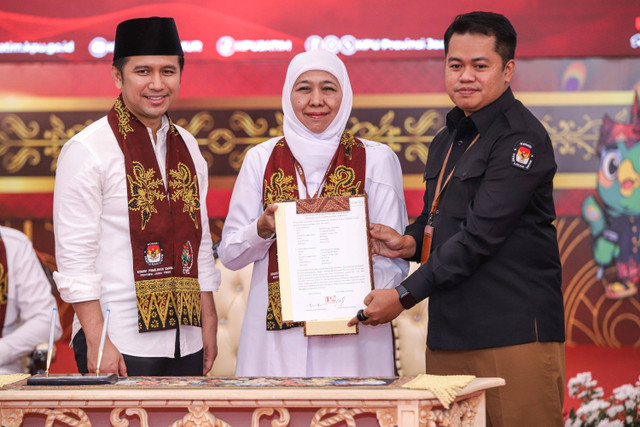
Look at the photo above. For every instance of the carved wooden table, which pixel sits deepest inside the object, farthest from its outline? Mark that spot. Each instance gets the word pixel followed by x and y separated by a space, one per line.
pixel 222 402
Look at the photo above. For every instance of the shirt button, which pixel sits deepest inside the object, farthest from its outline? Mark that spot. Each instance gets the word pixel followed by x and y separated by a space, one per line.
pixel 459 142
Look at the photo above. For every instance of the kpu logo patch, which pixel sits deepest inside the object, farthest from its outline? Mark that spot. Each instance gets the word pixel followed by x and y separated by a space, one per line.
pixel 153 253
pixel 522 156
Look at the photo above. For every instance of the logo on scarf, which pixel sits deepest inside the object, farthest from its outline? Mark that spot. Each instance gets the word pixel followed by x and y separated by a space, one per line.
pixel 187 257
pixel 153 253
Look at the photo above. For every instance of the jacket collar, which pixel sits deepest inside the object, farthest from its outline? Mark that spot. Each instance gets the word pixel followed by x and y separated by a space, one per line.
pixel 481 119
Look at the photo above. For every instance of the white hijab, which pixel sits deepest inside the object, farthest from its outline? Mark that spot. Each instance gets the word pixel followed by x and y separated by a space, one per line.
pixel 314 151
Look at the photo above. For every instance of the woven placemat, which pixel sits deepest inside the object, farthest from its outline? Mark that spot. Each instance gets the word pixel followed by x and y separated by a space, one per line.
pixel 444 387
pixel 12 378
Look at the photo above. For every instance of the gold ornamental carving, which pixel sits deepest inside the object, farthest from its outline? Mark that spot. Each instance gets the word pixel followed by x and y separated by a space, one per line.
pixel 116 421
pixel 15 417
pixel 30 143
pixel 460 414
pixel 572 138
pixel 25 142
pixel 328 417
pixel 200 416
pixel 14 125
pixel 282 421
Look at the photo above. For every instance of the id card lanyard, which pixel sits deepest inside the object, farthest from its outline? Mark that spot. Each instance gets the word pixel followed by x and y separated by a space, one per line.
pixel 428 229
pixel 298 167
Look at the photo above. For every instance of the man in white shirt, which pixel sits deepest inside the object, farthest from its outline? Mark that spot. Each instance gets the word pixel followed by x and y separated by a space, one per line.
pixel 26 301
pixel 131 224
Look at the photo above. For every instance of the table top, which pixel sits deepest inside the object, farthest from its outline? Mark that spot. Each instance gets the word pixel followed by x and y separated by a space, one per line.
pixel 211 389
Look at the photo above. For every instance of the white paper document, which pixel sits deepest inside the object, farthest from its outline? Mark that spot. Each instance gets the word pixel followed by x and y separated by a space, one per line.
pixel 324 260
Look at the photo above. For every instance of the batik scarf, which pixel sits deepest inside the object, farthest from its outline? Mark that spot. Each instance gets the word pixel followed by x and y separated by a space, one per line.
pixel 4 284
pixel 346 176
pixel 164 224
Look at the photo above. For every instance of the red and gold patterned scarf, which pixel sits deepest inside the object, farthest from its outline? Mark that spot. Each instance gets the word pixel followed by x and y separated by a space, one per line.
pixel 345 177
pixel 4 284
pixel 164 224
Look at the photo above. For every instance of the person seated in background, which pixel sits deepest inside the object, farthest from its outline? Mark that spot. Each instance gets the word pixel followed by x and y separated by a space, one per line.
pixel 26 301
pixel 316 100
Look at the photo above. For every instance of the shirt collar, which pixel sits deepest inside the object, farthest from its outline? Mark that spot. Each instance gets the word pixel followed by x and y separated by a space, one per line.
pixel 483 118
pixel 165 124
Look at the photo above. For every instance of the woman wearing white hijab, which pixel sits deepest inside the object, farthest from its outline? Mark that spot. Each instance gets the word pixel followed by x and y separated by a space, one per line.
pixel 316 100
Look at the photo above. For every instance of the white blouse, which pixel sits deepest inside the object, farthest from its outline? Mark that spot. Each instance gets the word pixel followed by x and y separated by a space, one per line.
pixel 289 352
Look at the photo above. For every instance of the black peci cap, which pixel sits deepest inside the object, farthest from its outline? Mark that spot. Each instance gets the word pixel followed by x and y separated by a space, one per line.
pixel 147 36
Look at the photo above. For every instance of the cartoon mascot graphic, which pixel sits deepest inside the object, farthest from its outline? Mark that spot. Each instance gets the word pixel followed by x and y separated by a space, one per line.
pixel 615 221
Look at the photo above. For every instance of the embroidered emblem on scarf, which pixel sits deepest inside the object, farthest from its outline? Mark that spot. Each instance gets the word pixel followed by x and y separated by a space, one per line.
pixel 164 224
pixel 346 177
pixel 4 284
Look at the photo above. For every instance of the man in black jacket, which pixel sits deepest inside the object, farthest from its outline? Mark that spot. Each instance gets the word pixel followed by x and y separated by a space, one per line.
pixel 493 274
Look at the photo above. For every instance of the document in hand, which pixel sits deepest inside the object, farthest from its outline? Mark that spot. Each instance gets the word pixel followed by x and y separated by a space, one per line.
pixel 324 261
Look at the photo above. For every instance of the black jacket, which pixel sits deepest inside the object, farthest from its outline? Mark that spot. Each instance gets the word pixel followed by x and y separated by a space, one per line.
pixel 494 273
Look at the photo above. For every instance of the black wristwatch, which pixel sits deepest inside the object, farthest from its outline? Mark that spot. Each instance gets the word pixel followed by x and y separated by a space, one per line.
pixel 406 299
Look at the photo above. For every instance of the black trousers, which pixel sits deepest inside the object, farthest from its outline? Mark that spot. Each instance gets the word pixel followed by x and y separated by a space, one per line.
pixel 187 366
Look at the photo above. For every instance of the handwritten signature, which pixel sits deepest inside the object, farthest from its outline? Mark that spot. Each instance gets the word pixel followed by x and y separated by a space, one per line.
pixel 328 300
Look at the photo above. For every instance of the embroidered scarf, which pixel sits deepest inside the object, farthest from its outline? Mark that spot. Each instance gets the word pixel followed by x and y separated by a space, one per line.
pixel 164 224
pixel 4 284
pixel 345 177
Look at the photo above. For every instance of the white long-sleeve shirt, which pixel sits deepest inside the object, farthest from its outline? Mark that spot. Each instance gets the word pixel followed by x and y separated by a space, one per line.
pixel 93 242
pixel 30 302
pixel 288 352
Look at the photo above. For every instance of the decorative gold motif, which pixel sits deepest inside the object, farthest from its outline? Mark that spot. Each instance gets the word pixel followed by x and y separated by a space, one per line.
pixel 188 299
pixel 14 417
pixel 124 117
pixel 200 416
pixel 58 135
pixel 367 130
pixel 429 121
pixel 4 284
pixel 200 122
pixel 173 129
pixel 219 141
pixel 156 302
pixel 340 183
pixel 242 121
pixel 460 414
pixel 274 313
pixel 282 421
pixel 13 162
pixel 162 301
pixel 568 138
pixel 387 417
pixel 278 130
pixel 231 142
pixel 337 416
pixel 279 188
pixel 185 188
pixel 349 142
pixel 144 192
pixel 116 421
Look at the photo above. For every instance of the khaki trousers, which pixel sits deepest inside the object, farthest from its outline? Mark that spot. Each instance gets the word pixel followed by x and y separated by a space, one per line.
pixel 534 375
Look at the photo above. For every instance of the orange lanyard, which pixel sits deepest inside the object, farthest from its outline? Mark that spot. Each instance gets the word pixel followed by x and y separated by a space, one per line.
pixel 428 229
pixel 326 174
pixel 439 190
